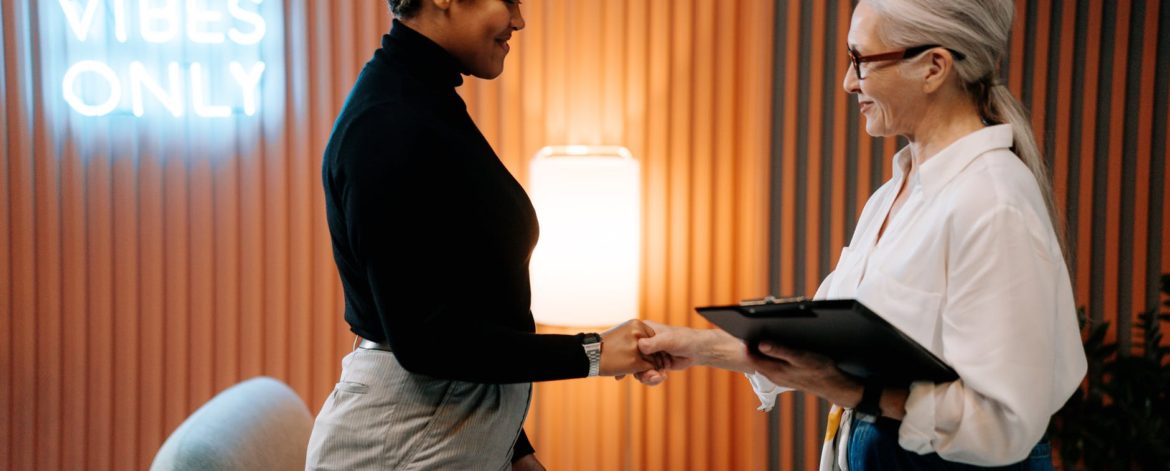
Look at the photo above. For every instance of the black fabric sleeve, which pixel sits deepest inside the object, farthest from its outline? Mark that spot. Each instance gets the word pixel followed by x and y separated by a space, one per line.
pixel 404 223
pixel 522 448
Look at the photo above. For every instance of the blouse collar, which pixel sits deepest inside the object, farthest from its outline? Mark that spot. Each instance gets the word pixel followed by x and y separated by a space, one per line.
pixel 940 169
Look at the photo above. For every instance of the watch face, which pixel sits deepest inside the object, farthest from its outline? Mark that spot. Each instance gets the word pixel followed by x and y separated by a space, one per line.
pixel 590 339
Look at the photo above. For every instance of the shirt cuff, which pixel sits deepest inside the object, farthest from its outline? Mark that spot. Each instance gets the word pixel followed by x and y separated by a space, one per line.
pixel 917 429
pixel 766 390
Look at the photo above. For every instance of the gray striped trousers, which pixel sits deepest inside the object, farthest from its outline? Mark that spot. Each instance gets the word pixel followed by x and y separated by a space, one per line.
pixel 381 416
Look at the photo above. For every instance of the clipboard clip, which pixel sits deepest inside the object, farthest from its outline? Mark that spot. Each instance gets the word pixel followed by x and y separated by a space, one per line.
pixel 769 299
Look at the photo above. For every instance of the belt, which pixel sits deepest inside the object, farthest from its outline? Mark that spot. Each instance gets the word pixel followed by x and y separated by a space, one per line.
pixel 372 345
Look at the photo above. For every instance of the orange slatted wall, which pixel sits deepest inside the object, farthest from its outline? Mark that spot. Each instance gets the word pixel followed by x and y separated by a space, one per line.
pixel 142 271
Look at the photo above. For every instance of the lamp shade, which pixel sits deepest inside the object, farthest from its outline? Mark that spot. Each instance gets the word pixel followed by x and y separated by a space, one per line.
pixel 585 269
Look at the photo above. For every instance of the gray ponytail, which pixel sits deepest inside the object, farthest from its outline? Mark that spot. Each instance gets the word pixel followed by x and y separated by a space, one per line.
pixel 979 29
pixel 1005 108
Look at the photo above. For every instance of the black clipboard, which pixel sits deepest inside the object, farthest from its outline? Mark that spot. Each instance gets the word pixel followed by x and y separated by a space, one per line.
pixel 861 342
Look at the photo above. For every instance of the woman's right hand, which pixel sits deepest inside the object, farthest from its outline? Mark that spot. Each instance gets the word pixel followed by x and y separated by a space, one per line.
pixel 686 347
pixel 619 350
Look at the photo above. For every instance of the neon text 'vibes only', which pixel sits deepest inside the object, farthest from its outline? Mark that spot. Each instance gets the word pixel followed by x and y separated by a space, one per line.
pixel 95 87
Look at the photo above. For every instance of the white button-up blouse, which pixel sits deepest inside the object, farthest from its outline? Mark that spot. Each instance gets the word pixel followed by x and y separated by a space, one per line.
pixel 971 268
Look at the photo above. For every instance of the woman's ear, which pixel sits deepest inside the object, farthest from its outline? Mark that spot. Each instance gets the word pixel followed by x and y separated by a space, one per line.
pixel 938 64
pixel 442 4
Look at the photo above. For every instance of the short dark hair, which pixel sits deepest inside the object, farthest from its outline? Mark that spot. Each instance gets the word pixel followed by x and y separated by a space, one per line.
pixel 404 8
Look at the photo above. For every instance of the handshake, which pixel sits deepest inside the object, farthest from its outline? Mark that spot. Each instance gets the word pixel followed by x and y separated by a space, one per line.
pixel 648 350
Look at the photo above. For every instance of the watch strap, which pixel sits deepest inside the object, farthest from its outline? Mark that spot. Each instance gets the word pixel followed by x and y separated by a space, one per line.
pixel 591 342
pixel 871 399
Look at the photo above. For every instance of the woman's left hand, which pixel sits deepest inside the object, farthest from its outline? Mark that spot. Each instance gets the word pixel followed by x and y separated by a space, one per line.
pixel 807 371
pixel 527 463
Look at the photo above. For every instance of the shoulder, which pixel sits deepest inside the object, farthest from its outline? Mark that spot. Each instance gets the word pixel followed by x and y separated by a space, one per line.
pixel 997 192
pixel 387 111
pixel 389 132
pixel 994 179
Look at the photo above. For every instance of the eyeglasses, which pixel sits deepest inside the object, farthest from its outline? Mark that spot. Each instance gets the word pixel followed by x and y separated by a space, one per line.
pixel 856 59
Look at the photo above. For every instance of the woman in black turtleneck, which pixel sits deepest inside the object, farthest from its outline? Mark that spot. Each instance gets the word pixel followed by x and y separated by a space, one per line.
pixel 432 238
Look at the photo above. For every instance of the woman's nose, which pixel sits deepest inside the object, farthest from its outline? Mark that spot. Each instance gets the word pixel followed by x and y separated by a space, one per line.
pixel 517 20
pixel 850 82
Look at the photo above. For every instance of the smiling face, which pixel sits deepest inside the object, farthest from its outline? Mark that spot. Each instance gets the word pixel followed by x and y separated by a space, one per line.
pixel 478 34
pixel 886 97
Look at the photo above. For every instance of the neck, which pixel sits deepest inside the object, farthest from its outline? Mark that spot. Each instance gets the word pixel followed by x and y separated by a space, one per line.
pixel 424 27
pixel 941 125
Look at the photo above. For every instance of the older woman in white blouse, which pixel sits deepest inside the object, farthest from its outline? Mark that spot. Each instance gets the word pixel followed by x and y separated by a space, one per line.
pixel 958 250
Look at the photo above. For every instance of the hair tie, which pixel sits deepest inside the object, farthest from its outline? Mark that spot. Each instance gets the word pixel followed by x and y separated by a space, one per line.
pixel 986 110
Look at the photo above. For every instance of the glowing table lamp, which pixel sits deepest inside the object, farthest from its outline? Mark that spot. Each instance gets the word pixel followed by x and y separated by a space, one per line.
pixel 585 269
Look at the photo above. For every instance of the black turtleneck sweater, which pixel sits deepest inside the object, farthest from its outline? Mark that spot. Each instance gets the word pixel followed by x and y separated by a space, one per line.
pixel 431 233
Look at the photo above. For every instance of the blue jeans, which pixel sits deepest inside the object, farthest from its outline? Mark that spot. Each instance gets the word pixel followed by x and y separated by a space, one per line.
pixel 874 446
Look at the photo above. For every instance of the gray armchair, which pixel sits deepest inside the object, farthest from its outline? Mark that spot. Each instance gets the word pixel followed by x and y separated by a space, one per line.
pixel 257 424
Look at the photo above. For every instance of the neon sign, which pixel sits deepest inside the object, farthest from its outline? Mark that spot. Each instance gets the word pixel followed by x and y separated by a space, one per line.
pixel 201 58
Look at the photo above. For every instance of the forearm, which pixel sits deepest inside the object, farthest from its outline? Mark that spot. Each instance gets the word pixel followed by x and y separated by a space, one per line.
pixel 721 350
pixel 486 354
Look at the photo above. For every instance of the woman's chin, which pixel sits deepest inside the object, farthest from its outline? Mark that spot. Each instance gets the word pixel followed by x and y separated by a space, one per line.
pixel 878 128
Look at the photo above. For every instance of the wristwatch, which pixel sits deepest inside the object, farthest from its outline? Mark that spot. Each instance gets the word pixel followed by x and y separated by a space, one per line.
pixel 592 344
pixel 871 399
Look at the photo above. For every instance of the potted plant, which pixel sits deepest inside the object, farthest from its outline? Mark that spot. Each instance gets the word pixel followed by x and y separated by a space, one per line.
pixel 1120 418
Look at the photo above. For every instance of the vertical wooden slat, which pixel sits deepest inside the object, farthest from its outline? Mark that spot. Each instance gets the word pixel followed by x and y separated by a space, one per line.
pixel 701 181
pixel 529 45
pixel 1039 85
pixel 1164 25
pixel 1015 78
pixel 7 378
pixel 126 309
pixel 656 226
pixel 722 274
pixel 814 160
pixel 21 330
pixel 1087 139
pixel 788 168
pixel 75 332
pixel 47 208
pixel 678 268
pixel 814 205
pixel 177 322
pixel 314 103
pixel 839 131
pixel 553 64
pixel 510 145
pixel 275 335
pixel 1116 131
pixel 100 370
pixel 225 290
pixel 198 199
pixel 152 428
pixel 583 46
pixel 635 136
pixel 1141 194
pixel 1063 117
pixel 304 178
pixel 751 277
pixel 613 71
